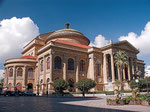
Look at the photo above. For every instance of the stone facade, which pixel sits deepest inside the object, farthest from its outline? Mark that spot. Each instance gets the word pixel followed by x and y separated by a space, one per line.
pixel 66 54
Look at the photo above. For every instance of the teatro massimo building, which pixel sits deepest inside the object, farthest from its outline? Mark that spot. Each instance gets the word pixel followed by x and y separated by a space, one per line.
pixel 66 54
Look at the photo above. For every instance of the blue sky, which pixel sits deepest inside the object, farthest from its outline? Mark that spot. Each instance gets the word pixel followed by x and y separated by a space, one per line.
pixel 110 18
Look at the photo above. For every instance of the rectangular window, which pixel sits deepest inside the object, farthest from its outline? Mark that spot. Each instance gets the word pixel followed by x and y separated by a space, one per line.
pixel 98 69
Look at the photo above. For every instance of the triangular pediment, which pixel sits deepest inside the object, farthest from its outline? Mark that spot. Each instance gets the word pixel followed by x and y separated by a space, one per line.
pixel 126 46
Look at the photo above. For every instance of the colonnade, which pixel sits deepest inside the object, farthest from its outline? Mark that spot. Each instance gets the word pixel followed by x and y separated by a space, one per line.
pixel 130 67
pixel 12 81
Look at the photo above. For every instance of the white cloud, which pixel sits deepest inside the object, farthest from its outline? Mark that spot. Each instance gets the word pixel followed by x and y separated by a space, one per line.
pixel 14 34
pixel 99 41
pixel 142 41
pixel 1 74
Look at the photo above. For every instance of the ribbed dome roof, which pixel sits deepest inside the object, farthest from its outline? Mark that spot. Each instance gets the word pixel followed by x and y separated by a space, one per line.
pixel 68 34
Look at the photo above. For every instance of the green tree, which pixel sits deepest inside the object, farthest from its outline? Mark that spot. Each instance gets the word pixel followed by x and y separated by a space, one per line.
pixel 142 84
pixel 147 80
pixel 60 85
pixel 1 84
pixel 121 60
pixel 85 85
pixel 133 84
pixel 118 83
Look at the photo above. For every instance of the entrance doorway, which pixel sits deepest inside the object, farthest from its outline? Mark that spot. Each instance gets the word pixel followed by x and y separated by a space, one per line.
pixel 30 87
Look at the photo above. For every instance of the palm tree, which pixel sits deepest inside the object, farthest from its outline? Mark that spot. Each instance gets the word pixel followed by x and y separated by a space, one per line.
pixel 121 60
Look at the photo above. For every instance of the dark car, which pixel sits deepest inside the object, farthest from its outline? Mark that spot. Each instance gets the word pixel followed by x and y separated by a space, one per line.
pixel 28 93
pixel 9 93
pixel 2 93
pixel 20 93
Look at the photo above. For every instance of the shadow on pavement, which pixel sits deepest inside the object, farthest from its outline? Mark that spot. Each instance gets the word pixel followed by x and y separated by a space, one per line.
pixel 44 104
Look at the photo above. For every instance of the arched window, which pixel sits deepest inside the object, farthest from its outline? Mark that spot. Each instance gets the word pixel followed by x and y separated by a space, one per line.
pixel 48 80
pixel 30 73
pixel 48 63
pixel 70 64
pixel 82 65
pixel 98 69
pixel 30 86
pixel 41 81
pixel 42 65
pixel 19 72
pixel 57 62
pixel 11 72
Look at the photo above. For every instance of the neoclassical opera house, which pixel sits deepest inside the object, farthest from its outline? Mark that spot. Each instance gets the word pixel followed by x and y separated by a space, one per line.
pixel 66 54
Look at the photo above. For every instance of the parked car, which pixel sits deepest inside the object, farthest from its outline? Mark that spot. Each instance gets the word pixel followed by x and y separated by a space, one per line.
pixel 9 93
pixel 28 93
pixel 2 93
pixel 18 93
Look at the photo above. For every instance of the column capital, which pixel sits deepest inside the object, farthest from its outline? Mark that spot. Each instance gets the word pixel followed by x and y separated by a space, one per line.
pixel 112 54
pixel 104 55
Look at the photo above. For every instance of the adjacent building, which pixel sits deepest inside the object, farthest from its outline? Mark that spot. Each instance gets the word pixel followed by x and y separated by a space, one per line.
pixel 66 54
pixel 147 71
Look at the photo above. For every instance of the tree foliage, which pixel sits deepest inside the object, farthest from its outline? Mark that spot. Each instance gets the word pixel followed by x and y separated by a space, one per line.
pixel 118 83
pixel 121 60
pixel 85 84
pixel 1 84
pixel 60 85
pixel 142 84
pixel 133 84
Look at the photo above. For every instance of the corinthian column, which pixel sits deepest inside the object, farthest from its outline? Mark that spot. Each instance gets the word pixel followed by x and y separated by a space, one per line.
pixel 77 68
pixel 14 74
pixel 105 68
pixel 64 67
pixel 112 68
pixel 44 74
pixel 51 65
pixel 124 74
pixel 24 75
pixel 119 78
pixel 129 73
pixel 7 76
pixel 132 67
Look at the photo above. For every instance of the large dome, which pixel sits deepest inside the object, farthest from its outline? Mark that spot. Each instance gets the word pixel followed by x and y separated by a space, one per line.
pixel 70 35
